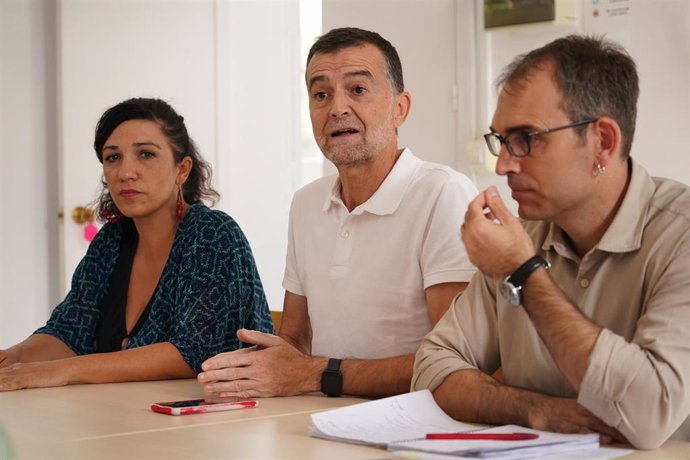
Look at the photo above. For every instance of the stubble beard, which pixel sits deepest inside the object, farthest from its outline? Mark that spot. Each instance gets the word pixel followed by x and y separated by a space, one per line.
pixel 368 149
pixel 348 156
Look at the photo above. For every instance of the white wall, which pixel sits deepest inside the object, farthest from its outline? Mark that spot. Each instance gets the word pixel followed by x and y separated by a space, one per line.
pixel 28 161
pixel 258 120
pixel 660 44
pixel 423 32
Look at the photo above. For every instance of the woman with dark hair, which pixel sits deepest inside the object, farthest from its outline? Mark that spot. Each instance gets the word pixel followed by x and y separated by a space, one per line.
pixel 167 281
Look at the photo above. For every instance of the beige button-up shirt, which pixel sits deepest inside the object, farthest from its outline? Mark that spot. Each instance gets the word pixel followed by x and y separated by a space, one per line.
pixel 635 284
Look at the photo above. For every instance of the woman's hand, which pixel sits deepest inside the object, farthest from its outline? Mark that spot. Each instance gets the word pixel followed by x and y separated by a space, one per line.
pixel 7 358
pixel 41 374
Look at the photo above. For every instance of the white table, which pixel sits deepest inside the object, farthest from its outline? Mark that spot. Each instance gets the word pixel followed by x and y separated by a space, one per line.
pixel 114 421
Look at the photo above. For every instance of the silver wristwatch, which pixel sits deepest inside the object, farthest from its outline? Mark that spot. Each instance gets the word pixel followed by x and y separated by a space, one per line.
pixel 511 286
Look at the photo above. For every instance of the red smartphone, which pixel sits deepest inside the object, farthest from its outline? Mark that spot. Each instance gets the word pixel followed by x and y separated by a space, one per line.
pixel 201 406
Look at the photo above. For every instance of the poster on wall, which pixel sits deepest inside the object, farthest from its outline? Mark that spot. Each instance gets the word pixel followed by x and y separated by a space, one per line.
pixel 612 18
pixel 499 13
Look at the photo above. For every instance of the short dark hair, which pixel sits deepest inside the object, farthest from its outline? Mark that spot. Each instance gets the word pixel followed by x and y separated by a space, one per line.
pixel 198 184
pixel 347 37
pixel 596 76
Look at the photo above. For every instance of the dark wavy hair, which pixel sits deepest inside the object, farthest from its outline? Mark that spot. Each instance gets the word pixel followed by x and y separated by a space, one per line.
pixel 197 187
pixel 347 37
pixel 596 77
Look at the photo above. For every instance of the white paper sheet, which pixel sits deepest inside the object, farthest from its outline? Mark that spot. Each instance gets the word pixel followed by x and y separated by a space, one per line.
pixel 380 422
pixel 402 422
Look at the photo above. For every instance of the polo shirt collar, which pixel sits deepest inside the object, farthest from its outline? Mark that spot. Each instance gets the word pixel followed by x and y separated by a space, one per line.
pixel 390 193
pixel 625 232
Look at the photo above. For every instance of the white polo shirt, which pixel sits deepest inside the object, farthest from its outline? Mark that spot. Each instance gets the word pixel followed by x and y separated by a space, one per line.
pixel 364 272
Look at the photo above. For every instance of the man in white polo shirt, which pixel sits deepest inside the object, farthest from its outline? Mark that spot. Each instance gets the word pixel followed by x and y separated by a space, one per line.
pixel 374 255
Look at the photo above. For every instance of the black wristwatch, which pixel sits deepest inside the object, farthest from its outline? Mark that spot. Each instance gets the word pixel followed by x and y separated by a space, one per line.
pixel 511 286
pixel 332 379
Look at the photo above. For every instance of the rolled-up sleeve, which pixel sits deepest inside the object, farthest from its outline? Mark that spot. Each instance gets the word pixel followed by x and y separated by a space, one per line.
pixel 465 338
pixel 642 387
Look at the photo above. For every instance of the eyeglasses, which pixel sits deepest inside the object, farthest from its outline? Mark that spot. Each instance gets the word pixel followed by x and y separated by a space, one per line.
pixel 518 143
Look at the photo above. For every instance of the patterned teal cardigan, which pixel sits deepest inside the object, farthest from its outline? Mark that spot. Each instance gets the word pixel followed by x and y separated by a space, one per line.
pixel 208 290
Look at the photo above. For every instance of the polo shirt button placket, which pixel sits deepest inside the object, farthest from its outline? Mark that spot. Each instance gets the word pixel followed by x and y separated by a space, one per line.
pixel 342 251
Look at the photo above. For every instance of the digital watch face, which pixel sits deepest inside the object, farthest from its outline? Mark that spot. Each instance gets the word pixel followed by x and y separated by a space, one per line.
pixel 332 383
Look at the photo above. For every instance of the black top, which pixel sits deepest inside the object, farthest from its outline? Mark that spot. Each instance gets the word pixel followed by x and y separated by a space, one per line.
pixel 112 324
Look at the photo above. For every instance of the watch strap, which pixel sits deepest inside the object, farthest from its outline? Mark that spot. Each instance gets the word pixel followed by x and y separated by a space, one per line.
pixel 333 365
pixel 332 378
pixel 523 272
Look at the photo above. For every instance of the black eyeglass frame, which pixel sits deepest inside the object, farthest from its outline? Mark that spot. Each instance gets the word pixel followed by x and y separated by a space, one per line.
pixel 527 136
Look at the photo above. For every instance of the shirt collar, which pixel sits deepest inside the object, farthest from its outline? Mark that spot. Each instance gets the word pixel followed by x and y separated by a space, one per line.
pixel 388 196
pixel 625 231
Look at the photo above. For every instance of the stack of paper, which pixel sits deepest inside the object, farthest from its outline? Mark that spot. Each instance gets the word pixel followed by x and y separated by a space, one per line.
pixel 402 423
pixel 384 421
pixel 546 444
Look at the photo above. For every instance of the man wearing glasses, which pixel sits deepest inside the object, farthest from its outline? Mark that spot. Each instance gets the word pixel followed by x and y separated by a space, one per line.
pixel 585 303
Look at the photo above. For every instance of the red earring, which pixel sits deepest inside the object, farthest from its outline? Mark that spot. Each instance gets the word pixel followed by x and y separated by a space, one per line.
pixel 109 216
pixel 179 209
